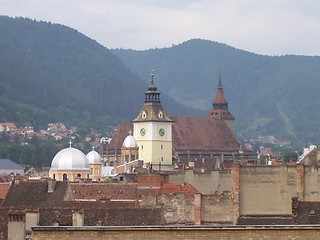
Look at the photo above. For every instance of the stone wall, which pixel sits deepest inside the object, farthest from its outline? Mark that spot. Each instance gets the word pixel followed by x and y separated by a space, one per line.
pixel 177 233
pixel 206 183
pixel 217 209
pixel 178 208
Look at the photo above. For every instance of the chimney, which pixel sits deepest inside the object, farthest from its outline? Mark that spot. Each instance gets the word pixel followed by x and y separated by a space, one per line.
pixel 16 181
pixel 51 185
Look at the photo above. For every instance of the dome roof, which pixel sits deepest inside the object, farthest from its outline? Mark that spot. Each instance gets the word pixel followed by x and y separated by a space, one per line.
pixel 70 159
pixel 129 141
pixel 94 157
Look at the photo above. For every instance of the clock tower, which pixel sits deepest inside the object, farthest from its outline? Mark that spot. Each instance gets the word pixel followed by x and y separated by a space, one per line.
pixel 153 129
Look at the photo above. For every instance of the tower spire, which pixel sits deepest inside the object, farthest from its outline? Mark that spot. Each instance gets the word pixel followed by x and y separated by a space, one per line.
pixel 220 84
pixel 220 110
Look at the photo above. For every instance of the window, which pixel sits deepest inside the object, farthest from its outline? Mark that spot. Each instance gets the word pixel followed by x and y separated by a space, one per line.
pixel 312 212
pixel 161 146
pixel 79 175
pixel 65 177
pixel 144 114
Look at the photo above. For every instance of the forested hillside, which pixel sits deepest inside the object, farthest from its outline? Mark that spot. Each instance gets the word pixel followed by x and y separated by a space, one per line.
pixel 268 95
pixel 49 73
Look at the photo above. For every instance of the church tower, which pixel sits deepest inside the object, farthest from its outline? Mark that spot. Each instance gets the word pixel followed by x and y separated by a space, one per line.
pixel 220 109
pixel 152 129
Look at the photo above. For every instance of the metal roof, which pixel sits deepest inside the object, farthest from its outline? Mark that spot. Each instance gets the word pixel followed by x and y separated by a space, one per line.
pixel 8 164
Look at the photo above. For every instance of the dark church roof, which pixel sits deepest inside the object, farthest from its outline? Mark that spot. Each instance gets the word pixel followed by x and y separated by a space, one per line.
pixel 120 134
pixel 190 134
pixel 202 134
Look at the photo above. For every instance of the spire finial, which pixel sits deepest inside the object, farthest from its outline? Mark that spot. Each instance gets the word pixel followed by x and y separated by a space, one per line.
pixel 93 147
pixel 70 143
pixel 220 83
pixel 152 74
pixel 130 133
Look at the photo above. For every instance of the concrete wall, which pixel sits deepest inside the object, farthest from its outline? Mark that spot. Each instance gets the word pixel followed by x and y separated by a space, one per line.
pixel 16 230
pixel 268 190
pixel 311 184
pixel 32 219
pixel 177 233
pixel 213 183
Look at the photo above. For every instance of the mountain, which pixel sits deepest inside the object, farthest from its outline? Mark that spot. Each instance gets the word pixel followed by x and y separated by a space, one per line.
pixel 268 95
pixel 50 72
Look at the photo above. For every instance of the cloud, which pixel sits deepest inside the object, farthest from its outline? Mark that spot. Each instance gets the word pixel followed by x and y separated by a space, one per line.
pixel 271 27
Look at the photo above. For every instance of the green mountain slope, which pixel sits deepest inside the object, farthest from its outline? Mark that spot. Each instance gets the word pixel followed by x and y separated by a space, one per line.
pixel 267 95
pixel 49 72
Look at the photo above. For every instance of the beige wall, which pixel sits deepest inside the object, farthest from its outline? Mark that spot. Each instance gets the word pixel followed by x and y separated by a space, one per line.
pixel 72 176
pixel 267 189
pixel 16 230
pixel 152 146
pixel 32 219
pixel 177 233
pixel 95 172
pixel 311 184
pixel 217 209
pixel 213 183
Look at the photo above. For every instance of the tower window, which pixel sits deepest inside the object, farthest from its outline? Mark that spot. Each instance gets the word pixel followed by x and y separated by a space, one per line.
pixel 144 114
pixel 161 146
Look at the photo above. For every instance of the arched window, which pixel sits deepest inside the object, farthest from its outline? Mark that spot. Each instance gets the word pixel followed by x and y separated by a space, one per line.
pixel 65 177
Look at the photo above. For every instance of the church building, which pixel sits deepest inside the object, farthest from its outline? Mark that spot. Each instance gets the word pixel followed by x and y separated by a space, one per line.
pixel 180 142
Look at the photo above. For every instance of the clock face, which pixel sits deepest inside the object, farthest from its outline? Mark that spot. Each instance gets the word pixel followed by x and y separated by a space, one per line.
pixel 161 132
pixel 142 131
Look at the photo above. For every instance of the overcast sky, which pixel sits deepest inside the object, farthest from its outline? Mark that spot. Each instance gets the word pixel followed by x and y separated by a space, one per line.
pixel 272 27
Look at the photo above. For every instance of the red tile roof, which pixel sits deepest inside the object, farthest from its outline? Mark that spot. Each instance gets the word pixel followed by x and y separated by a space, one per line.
pixel 185 188
pixel 100 191
pixel 4 188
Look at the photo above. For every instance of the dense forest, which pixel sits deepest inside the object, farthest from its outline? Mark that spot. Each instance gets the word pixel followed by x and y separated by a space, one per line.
pixel 268 95
pixel 52 73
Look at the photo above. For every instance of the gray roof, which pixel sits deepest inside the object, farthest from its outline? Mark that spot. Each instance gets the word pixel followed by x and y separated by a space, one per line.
pixel 8 164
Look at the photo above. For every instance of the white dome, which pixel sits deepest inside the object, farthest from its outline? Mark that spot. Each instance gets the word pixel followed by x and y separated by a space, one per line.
pixel 129 142
pixel 70 159
pixel 93 157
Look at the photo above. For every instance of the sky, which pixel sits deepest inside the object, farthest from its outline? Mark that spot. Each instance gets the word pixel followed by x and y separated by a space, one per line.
pixel 269 27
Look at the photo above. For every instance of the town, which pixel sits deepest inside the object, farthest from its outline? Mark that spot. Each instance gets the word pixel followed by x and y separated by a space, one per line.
pixel 159 170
